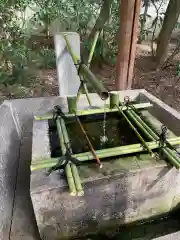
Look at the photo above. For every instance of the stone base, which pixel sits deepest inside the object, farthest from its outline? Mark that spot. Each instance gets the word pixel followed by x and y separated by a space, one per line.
pixel 123 191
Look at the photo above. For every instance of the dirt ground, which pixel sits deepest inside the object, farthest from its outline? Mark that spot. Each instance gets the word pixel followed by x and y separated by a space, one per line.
pixel 163 84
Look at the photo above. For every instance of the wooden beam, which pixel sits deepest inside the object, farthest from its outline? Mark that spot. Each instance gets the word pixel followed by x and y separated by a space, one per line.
pixel 129 19
pixel 133 43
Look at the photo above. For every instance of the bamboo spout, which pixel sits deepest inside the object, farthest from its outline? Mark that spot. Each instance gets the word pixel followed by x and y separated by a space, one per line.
pixel 87 75
pixel 92 79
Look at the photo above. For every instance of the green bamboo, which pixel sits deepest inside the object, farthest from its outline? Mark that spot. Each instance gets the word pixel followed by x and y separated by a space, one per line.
pixel 75 58
pixel 68 169
pixel 173 159
pixel 138 122
pixel 93 48
pixel 79 188
pixel 94 81
pixel 114 99
pixel 87 93
pixel 136 132
pixel 104 153
pixel 94 111
pixel 83 89
pixel 87 74
pixel 76 61
pixel 75 173
pixel 153 136
pixel 72 106
pixel 152 130
pixel 47 164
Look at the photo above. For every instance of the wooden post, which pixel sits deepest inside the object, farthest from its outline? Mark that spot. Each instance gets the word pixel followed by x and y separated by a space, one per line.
pixel 129 19
pixel 134 38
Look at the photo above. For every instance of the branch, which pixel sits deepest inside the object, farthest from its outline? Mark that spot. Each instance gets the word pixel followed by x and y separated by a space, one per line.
pixel 169 60
pixel 157 12
pixel 157 8
pixel 154 5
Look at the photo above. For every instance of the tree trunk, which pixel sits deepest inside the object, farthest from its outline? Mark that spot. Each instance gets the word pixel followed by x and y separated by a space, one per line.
pixel 141 36
pixel 103 17
pixel 101 20
pixel 171 17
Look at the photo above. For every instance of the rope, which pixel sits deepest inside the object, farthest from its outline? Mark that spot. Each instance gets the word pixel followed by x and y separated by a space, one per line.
pixel 131 106
pixel 163 139
pixel 78 66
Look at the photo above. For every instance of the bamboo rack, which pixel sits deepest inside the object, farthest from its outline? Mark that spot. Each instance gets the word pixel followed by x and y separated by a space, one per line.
pixel 136 131
pixel 74 169
pixel 76 60
pixel 86 74
pixel 94 111
pixel 152 135
pixel 105 153
pixel 132 116
pixel 68 168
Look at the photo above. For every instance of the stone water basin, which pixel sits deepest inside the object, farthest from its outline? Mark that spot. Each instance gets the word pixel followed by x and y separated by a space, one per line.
pixel 126 190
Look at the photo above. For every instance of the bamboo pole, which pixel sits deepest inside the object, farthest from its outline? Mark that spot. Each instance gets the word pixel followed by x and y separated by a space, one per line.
pixel 68 170
pixel 171 156
pixel 76 61
pixel 75 173
pixel 73 55
pixel 152 135
pixel 114 99
pixel 94 111
pixel 138 122
pixel 80 191
pixel 72 106
pixel 83 89
pixel 93 48
pixel 94 81
pixel 136 132
pixel 87 74
pixel 105 153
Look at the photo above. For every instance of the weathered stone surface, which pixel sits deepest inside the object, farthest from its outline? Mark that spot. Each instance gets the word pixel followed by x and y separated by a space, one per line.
pixel 68 79
pixel 9 154
pixel 127 190
pixel 126 196
pixel 40 143
pixel 16 212
pixel 172 236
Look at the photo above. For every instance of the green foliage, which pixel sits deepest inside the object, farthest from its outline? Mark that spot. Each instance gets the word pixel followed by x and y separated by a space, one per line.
pixel 18 58
pixel 19 61
pixel 177 25
pixel 157 21
pixel 144 32
pixel 46 59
